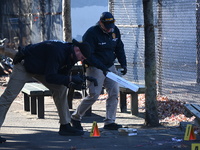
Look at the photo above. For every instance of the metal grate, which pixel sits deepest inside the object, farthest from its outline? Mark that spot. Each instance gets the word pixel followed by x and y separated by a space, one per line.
pixel 23 21
pixel 177 32
pixel 129 19
pixel 177 44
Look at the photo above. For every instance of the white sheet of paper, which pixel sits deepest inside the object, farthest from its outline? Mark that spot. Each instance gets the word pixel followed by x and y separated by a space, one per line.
pixel 122 81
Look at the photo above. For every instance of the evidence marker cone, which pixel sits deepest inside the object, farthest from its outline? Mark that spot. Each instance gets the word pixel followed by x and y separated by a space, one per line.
pixel 95 130
pixel 189 133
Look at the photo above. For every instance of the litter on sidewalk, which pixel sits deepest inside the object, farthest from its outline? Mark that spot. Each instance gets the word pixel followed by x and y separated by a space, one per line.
pixel 127 131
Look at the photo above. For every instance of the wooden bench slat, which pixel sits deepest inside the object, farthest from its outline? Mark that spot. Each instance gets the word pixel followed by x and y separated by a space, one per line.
pixel 40 86
pixel 36 89
pixel 197 114
pixel 31 91
pixel 196 106
pixel 140 90
pixel 43 88
pixel 194 109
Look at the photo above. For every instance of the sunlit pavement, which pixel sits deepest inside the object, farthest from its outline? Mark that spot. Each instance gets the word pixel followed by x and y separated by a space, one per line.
pixel 25 131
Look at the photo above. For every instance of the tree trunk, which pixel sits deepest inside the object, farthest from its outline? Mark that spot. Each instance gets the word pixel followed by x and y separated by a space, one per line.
pixel 67 33
pixel 42 18
pixel 151 116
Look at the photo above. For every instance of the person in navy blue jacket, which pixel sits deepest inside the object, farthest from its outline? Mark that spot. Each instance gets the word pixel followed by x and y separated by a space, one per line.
pixel 48 62
pixel 106 46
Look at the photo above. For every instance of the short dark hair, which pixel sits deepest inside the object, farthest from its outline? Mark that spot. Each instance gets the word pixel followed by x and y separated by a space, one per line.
pixel 84 48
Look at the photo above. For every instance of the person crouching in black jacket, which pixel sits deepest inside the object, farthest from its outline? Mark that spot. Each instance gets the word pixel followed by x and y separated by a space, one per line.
pixel 48 62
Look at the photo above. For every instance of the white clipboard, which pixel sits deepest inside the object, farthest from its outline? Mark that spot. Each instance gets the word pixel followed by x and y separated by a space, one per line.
pixel 122 81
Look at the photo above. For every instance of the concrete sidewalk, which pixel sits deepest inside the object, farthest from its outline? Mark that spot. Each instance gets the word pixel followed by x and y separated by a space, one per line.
pixel 24 131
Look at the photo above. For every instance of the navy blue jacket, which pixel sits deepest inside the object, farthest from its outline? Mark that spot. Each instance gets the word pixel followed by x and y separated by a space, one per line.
pixel 106 47
pixel 50 58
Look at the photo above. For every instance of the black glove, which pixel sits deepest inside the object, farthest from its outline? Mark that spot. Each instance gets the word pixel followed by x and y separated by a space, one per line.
pixel 77 79
pixel 91 79
pixel 18 57
pixel 105 72
pixel 124 71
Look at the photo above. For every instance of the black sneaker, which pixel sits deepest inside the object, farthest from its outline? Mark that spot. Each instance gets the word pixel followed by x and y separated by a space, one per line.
pixel 2 140
pixel 112 126
pixel 68 130
pixel 76 124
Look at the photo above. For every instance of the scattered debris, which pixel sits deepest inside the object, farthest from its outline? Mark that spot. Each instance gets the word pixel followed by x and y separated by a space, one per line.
pixel 180 146
pixel 170 111
pixel 127 131
pixel 73 148
pixel 176 140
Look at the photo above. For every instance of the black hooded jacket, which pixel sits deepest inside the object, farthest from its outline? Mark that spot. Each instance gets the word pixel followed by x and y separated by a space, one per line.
pixel 106 47
pixel 50 58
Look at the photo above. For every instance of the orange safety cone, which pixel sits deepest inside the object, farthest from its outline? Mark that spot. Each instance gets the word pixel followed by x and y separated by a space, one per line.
pixel 189 133
pixel 192 134
pixel 95 130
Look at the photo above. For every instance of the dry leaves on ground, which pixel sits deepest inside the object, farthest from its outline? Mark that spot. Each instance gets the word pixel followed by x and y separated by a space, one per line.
pixel 168 110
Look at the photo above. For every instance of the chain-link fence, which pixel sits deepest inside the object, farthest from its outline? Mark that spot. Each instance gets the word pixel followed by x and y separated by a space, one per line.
pixel 177 44
pixel 177 35
pixel 25 22
pixel 130 21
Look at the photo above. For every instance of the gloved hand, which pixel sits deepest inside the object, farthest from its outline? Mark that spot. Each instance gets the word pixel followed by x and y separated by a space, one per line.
pixel 18 58
pixel 124 71
pixel 77 79
pixel 105 72
pixel 92 79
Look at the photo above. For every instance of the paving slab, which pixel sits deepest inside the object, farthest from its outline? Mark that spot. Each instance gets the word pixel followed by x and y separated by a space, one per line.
pixel 25 131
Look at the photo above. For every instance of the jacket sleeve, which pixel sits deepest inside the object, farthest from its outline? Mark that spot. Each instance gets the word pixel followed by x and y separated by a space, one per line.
pixel 119 51
pixel 52 74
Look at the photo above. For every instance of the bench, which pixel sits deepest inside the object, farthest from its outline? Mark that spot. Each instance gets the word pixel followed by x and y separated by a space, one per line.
pixel 194 109
pixel 134 99
pixel 34 94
